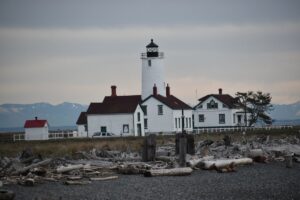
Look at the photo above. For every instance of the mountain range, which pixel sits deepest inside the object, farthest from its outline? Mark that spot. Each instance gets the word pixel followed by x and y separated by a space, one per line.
pixel 66 114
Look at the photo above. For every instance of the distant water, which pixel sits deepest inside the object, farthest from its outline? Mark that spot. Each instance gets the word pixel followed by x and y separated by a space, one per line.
pixel 21 129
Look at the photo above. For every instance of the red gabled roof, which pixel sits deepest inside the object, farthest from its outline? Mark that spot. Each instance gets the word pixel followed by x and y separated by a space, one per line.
pixel 171 101
pixel 115 104
pixel 38 123
pixel 224 98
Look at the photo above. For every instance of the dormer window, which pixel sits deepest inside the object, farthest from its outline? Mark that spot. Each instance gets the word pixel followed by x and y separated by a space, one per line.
pixel 212 105
pixel 149 63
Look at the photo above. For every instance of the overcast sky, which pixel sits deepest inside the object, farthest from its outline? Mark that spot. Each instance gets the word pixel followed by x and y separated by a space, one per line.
pixel 57 51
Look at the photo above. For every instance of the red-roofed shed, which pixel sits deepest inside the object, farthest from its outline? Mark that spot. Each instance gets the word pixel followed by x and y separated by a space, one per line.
pixel 36 129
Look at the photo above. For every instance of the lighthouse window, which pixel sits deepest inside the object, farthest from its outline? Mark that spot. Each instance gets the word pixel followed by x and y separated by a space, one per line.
pixel 149 63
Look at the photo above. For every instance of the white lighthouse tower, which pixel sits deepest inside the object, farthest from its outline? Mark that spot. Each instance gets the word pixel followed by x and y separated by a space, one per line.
pixel 153 72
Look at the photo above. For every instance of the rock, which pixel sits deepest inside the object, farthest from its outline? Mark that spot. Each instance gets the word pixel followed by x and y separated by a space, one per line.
pixel 227 140
pixel 7 195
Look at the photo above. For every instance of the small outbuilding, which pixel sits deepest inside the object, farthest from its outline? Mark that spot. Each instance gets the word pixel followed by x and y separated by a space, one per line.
pixel 36 129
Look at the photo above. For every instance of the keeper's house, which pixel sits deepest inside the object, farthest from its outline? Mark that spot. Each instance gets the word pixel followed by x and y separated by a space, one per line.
pixel 36 129
pixel 217 111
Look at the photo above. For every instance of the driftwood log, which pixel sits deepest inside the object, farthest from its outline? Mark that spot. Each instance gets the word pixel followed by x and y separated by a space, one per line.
pixel 103 178
pixel 224 163
pixel 63 169
pixel 194 163
pixel 258 155
pixel 25 169
pixel 77 182
pixel 184 171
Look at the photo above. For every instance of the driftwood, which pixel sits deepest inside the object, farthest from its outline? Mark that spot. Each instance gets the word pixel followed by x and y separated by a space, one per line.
pixel 258 155
pixel 224 163
pixel 184 171
pixel 77 182
pixel 195 162
pixel 25 169
pixel 73 178
pixel 103 178
pixel 63 169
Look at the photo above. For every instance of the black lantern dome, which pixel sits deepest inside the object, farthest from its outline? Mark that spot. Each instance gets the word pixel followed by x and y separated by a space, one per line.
pixel 152 49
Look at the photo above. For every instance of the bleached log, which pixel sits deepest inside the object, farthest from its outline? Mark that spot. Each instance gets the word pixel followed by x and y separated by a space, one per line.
pixel 63 169
pixel 25 169
pixel 77 182
pixel 73 178
pixel 194 162
pixel 255 153
pixel 103 178
pixel 184 171
pixel 224 163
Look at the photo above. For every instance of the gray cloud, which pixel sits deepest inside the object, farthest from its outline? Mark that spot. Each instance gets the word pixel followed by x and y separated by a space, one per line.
pixel 56 51
pixel 95 13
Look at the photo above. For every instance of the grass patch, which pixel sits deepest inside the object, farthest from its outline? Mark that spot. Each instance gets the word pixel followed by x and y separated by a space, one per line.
pixel 67 147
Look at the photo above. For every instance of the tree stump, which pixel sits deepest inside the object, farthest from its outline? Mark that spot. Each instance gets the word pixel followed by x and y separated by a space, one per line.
pixel 149 148
pixel 182 150
pixel 190 144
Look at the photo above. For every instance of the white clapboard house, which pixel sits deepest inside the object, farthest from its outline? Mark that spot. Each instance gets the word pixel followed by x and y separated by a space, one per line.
pixel 163 113
pixel 218 110
pixel 36 129
pixel 119 115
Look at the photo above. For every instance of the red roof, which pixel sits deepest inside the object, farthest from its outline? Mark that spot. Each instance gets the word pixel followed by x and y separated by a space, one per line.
pixel 38 123
pixel 115 104
pixel 171 101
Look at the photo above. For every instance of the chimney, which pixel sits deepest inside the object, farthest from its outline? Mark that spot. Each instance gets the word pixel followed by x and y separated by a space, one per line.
pixel 154 90
pixel 220 91
pixel 168 93
pixel 113 91
pixel 36 118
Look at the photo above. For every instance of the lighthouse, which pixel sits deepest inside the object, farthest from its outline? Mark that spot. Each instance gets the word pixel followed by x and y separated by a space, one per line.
pixel 153 72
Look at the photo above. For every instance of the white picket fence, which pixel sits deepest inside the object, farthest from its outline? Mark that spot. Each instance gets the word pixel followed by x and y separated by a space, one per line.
pixel 238 128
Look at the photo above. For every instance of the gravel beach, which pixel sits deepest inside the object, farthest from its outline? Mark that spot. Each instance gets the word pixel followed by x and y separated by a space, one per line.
pixel 258 181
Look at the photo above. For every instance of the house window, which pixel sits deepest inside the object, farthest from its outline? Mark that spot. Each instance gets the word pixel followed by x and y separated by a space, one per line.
pixel 144 108
pixel 234 118
pixel 186 122
pixel 85 128
pixel 212 105
pixel 200 106
pixel 103 129
pixel 201 118
pixel 221 118
pixel 175 122
pixel 125 128
pixel 149 63
pixel 190 122
pixel 225 106
pixel 139 116
pixel 178 122
pixel 160 110
pixel 146 123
